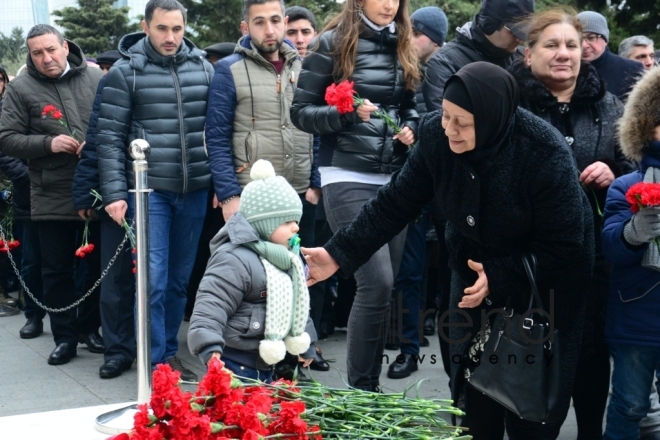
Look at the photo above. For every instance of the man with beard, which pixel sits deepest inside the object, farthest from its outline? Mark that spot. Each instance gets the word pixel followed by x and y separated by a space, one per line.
pixel 158 92
pixel 248 112
pixel 248 116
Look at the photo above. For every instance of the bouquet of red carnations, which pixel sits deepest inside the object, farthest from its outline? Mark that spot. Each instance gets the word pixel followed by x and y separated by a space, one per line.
pixel 224 408
pixel 643 195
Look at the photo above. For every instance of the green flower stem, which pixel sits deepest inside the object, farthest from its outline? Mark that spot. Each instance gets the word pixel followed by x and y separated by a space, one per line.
pixel 381 114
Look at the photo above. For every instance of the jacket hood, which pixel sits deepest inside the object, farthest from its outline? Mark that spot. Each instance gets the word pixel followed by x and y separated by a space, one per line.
pixel 237 231
pixel 76 60
pixel 640 115
pixel 246 47
pixel 589 87
pixel 465 30
pixel 137 48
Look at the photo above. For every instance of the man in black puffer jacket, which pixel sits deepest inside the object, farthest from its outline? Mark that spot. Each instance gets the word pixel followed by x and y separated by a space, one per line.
pixel 158 92
pixel 492 36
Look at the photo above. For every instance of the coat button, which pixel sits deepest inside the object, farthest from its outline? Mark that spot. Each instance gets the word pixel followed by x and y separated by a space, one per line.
pixel 256 325
pixel 470 220
pixel 284 127
pixel 286 156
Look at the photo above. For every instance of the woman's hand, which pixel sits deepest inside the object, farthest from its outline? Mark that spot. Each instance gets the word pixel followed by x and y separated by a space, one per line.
pixel 597 175
pixel 364 110
pixel 406 137
pixel 479 291
pixel 321 264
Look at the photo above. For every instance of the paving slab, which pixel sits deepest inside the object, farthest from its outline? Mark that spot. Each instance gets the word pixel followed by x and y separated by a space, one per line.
pixel 30 385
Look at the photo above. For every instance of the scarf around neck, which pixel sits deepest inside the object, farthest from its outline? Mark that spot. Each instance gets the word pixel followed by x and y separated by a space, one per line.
pixel 287 302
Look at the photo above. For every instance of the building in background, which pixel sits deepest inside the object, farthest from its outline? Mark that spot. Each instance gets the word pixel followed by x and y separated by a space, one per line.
pixel 23 14
pixel 27 13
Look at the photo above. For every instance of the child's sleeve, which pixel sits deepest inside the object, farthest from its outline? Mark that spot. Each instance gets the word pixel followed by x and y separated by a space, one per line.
pixel 220 292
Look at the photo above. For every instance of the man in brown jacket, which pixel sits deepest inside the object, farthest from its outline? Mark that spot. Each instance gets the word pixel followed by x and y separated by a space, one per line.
pixel 50 138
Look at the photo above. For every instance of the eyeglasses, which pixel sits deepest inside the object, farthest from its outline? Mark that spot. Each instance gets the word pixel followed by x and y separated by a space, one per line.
pixel 592 38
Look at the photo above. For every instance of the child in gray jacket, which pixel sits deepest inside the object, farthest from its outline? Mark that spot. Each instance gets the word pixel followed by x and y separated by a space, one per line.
pixel 252 304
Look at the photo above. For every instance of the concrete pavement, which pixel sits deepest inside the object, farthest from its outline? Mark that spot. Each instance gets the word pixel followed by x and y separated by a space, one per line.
pixel 30 385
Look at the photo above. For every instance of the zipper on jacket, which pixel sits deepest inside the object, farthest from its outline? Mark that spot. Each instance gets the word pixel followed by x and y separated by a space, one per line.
pixel 279 83
pixel 184 163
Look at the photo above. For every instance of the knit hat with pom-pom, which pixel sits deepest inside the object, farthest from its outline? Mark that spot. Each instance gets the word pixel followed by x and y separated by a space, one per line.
pixel 269 201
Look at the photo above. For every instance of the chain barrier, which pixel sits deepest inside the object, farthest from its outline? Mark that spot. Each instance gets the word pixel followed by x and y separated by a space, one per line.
pixel 82 298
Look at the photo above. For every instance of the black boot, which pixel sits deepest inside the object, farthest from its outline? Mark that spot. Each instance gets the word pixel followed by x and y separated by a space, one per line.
pixel 399 370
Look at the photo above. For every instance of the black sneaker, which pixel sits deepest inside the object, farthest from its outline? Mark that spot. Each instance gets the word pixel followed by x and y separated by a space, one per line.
pixel 186 374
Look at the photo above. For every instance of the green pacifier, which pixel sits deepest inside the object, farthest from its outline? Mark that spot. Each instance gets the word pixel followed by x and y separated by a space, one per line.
pixel 294 244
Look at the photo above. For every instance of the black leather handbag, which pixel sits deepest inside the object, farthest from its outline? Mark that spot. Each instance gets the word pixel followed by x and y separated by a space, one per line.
pixel 520 365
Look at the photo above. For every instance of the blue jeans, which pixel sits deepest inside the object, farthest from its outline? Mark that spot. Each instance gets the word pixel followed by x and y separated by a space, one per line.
pixel 408 285
pixel 175 224
pixel 247 372
pixel 634 368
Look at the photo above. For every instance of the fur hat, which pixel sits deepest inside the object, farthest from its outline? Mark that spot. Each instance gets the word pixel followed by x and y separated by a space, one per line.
pixel 641 114
pixel 269 201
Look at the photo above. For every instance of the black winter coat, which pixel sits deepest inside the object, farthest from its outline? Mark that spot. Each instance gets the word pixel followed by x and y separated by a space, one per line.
pixel 524 197
pixel 588 123
pixel 620 74
pixel 86 177
pixel 161 99
pixel 346 141
pixel 469 46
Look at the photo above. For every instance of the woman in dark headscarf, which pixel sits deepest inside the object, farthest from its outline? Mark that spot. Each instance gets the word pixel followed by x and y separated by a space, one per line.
pixel 508 185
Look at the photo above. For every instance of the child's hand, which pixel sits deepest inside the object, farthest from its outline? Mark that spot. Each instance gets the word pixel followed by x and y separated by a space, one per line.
pixel 215 355
pixel 305 362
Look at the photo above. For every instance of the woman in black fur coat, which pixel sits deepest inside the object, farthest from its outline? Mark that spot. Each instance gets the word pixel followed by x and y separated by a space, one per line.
pixel 508 185
pixel 568 93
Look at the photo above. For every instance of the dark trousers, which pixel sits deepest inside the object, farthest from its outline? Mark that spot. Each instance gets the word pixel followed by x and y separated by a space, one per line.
pixel 213 222
pixel 117 301
pixel 317 299
pixel 87 272
pixel 31 269
pixel 375 280
pixel 408 285
pixel 58 240
pixel 592 378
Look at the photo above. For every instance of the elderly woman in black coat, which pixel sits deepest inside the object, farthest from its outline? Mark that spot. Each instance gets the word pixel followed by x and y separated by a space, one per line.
pixel 508 185
pixel 568 93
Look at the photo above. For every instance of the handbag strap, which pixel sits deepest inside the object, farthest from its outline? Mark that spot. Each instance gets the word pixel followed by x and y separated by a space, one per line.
pixel 529 263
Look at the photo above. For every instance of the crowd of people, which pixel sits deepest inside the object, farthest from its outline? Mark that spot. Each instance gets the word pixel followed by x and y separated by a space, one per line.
pixel 520 136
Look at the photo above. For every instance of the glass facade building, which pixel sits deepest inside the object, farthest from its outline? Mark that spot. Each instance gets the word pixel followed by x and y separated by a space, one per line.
pixel 23 14
pixel 27 13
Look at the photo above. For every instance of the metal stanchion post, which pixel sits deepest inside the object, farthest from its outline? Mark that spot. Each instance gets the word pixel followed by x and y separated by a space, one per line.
pixel 121 420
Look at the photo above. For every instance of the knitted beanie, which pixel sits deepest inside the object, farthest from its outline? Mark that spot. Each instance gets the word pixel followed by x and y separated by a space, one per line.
pixel 269 201
pixel 594 23
pixel 432 22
